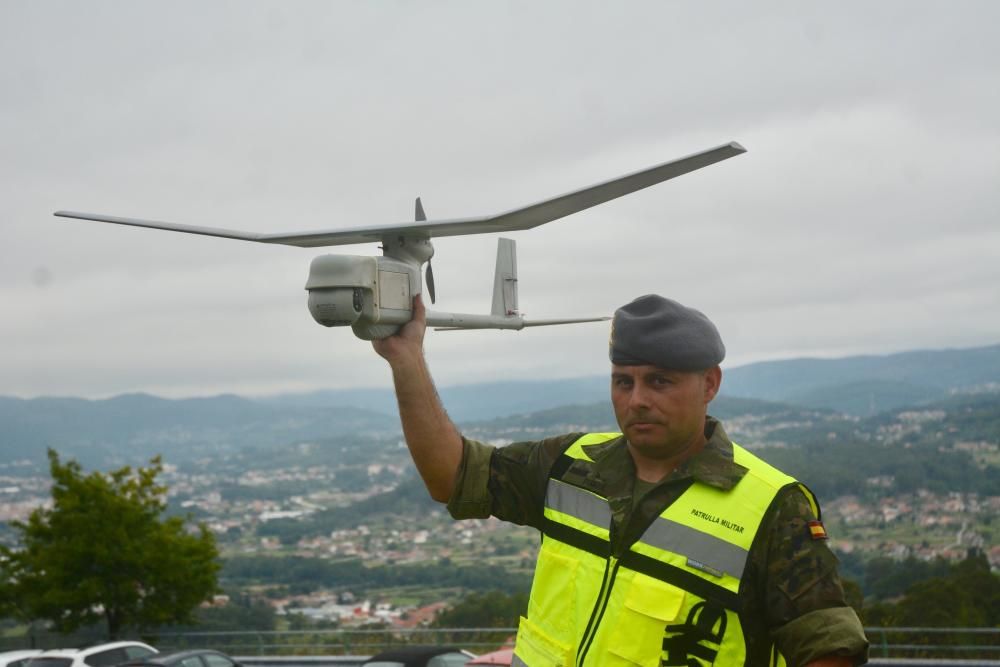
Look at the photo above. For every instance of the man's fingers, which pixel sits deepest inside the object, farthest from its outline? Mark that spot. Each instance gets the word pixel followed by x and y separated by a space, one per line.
pixel 409 335
pixel 419 311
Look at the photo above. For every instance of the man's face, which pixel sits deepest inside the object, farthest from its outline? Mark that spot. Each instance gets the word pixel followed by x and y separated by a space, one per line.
pixel 660 411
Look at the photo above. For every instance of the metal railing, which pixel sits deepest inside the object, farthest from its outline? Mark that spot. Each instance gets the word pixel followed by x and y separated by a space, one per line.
pixel 907 646
pixel 332 642
pixel 951 643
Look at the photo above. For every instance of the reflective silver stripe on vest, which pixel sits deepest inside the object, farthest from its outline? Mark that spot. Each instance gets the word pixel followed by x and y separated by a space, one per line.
pixel 578 503
pixel 517 662
pixel 696 545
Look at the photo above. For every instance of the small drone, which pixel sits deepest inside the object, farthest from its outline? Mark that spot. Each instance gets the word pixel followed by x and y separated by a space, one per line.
pixel 374 295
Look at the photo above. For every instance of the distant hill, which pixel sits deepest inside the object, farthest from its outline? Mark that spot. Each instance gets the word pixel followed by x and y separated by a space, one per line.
pixel 792 393
pixel 946 446
pixel 469 401
pixel 867 385
pixel 599 416
pixel 861 386
pixel 133 427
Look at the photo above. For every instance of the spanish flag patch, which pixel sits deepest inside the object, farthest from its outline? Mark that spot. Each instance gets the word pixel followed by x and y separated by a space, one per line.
pixel 817 531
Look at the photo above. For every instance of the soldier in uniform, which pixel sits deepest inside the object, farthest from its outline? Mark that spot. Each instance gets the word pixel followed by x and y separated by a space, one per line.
pixel 666 544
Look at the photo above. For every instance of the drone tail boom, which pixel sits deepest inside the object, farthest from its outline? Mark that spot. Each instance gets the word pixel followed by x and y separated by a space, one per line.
pixel 504 313
pixel 463 321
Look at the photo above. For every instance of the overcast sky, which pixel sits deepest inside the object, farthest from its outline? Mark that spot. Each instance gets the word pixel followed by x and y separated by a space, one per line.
pixel 863 219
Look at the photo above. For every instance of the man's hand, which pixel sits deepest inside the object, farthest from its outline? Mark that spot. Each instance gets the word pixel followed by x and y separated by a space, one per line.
pixel 408 342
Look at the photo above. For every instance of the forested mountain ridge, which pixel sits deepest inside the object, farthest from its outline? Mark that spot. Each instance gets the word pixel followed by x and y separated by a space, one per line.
pixel 867 385
pixel 131 428
pixel 948 445
pixel 859 385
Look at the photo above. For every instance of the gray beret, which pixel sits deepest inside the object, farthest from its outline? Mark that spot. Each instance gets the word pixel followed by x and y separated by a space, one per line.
pixel 661 332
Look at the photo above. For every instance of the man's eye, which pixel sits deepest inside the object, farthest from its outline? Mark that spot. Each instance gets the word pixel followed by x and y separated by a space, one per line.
pixel 661 380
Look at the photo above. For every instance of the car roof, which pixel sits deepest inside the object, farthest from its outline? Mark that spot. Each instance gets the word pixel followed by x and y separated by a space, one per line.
pixel 111 645
pixel 412 654
pixel 88 650
pixel 173 656
pixel 502 656
pixel 7 657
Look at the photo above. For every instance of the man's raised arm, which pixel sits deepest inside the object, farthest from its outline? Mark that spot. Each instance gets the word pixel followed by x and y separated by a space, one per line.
pixel 434 442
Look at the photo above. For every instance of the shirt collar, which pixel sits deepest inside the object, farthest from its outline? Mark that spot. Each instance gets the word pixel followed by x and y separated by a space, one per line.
pixel 713 465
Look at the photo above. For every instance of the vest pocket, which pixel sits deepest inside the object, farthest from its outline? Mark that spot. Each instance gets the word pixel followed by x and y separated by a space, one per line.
pixel 536 648
pixel 648 606
pixel 554 597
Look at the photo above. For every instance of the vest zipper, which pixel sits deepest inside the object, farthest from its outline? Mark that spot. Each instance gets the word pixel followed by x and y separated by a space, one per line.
pixel 593 612
pixel 610 572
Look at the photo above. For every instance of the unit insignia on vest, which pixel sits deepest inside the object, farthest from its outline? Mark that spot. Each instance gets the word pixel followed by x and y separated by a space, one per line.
pixel 696 642
pixel 725 523
pixel 702 567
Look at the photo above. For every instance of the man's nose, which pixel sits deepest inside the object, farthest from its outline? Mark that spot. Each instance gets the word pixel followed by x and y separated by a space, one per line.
pixel 639 397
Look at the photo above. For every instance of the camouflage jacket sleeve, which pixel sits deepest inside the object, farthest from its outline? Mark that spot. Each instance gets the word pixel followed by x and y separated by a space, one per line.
pixel 805 608
pixel 506 482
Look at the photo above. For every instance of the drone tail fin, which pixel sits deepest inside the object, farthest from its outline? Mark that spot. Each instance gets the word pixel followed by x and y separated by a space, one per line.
pixel 505 280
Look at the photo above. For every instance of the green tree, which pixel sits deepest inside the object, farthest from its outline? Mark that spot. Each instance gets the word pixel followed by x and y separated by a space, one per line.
pixel 492 609
pixel 105 551
pixel 243 612
pixel 968 597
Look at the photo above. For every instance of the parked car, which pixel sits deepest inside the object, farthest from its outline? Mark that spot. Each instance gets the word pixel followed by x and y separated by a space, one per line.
pixel 17 658
pixel 190 658
pixel 420 656
pixel 100 655
pixel 502 657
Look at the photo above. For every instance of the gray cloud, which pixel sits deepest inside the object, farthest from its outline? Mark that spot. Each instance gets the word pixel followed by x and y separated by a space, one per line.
pixel 863 219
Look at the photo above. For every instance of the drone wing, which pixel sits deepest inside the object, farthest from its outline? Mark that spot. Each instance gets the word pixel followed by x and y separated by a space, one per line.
pixel 525 217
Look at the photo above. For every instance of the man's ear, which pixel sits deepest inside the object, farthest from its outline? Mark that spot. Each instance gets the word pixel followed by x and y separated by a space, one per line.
pixel 713 380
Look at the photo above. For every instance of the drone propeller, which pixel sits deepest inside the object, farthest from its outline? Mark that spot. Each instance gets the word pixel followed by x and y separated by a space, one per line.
pixel 429 279
pixel 429 275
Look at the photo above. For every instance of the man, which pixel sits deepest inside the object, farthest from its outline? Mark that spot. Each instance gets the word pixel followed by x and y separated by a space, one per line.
pixel 665 544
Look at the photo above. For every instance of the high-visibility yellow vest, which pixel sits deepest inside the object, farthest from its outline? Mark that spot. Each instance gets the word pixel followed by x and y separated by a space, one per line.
pixel 671 598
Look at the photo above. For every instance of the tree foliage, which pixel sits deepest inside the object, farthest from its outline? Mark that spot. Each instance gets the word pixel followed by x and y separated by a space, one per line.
pixel 105 551
pixel 887 578
pixel 242 612
pixel 308 574
pixel 832 470
pixel 969 596
pixel 966 594
pixel 490 609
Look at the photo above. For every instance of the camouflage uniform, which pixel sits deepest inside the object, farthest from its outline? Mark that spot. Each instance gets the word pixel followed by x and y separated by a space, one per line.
pixel 795 595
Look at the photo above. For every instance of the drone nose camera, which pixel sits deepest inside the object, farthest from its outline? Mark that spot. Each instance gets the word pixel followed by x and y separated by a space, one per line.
pixel 336 306
pixel 337 286
pixel 374 295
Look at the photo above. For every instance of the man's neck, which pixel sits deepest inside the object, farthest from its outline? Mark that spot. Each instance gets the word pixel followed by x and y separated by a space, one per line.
pixel 650 469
